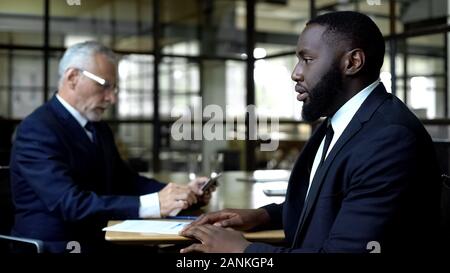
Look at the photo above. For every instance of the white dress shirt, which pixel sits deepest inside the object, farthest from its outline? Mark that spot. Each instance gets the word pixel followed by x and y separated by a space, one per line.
pixel 149 203
pixel 339 122
pixel 77 115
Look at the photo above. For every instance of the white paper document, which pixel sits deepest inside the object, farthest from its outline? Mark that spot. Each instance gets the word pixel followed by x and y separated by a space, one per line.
pixel 149 226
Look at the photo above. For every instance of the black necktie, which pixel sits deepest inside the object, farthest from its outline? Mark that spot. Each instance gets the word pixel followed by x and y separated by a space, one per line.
pixel 328 137
pixel 91 128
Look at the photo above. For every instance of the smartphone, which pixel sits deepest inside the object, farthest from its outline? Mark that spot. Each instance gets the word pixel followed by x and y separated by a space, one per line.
pixel 275 192
pixel 211 182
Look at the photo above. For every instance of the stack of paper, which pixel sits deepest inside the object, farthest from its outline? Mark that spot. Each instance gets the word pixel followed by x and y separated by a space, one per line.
pixel 149 226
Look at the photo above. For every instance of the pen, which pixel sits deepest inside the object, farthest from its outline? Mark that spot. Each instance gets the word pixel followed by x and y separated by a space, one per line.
pixel 182 217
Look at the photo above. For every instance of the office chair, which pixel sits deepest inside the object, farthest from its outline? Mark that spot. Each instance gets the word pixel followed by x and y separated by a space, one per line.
pixel 7 216
pixel 445 207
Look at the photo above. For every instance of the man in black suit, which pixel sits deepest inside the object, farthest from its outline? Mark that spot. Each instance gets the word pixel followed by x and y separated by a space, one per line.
pixel 367 177
pixel 67 176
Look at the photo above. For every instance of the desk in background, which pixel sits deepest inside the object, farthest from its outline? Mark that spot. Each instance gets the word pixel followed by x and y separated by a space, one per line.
pixel 231 192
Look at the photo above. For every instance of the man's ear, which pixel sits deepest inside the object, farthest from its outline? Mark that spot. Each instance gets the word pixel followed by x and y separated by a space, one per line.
pixel 71 76
pixel 354 61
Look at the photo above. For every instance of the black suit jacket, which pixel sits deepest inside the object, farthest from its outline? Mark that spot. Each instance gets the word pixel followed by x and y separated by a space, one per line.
pixel 64 186
pixel 380 182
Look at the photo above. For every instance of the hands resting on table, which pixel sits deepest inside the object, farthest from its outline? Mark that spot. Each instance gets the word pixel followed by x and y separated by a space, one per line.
pixel 215 233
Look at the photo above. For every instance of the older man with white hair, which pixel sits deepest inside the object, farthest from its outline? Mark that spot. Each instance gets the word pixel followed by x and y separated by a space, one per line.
pixel 67 176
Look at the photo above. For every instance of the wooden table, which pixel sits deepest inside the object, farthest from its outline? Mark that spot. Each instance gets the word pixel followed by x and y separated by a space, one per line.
pixel 134 238
pixel 231 193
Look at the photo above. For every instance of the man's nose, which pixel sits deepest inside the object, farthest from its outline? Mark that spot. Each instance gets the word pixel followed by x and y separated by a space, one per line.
pixel 111 97
pixel 297 73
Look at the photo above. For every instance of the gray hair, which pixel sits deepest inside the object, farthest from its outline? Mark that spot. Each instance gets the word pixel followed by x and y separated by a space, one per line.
pixel 80 55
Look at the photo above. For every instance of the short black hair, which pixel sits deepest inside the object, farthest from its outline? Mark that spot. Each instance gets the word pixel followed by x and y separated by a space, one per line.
pixel 359 30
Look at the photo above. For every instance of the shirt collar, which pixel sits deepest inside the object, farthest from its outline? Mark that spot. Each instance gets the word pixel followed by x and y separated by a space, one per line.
pixel 344 115
pixel 74 112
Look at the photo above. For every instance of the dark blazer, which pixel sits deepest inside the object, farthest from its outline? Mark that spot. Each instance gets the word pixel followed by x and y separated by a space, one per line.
pixel 64 186
pixel 380 182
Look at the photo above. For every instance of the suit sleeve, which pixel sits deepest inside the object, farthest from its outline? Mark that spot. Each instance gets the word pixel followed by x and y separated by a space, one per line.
pixel 275 212
pixel 41 160
pixel 378 174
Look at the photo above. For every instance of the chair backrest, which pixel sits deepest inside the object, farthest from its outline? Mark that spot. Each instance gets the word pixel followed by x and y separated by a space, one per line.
pixel 445 208
pixel 10 243
pixel 442 149
pixel 6 206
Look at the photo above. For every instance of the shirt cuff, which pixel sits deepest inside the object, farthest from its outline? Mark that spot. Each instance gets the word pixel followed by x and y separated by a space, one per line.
pixel 149 206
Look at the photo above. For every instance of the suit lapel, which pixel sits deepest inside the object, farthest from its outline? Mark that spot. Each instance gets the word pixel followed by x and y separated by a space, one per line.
pixel 306 158
pixel 70 123
pixel 101 154
pixel 362 115
pixel 318 179
pixel 298 181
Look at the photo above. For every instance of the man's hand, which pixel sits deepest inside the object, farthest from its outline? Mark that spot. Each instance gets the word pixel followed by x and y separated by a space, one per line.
pixel 242 219
pixel 202 197
pixel 215 240
pixel 175 197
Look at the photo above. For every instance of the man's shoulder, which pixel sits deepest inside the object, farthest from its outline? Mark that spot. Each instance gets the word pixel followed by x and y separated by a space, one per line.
pixel 394 112
pixel 41 117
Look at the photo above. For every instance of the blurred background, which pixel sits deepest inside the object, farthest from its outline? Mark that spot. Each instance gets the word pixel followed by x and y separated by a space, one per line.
pixel 178 56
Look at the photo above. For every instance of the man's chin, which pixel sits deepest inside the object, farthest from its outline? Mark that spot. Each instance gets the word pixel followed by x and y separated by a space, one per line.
pixel 94 116
pixel 310 117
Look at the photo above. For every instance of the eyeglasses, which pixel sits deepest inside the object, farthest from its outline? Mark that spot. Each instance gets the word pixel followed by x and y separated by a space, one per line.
pixel 105 84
